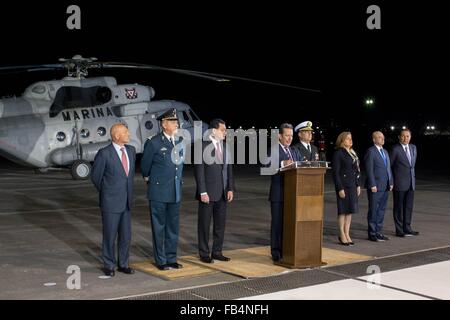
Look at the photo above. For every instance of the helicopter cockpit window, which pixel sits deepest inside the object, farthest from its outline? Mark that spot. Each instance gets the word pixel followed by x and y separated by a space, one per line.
pixel 185 116
pixel 76 97
pixel 39 89
pixel 84 133
pixel 103 95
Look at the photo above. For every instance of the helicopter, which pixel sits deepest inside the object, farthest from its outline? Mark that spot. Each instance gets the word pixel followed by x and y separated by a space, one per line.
pixel 63 123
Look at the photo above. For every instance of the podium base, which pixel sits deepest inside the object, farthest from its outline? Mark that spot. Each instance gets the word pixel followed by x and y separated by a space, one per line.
pixel 300 266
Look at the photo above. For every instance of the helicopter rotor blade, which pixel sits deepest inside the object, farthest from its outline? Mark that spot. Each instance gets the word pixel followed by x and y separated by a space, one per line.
pixel 31 68
pixel 200 74
pixel 152 67
pixel 93 64
pixel 262 82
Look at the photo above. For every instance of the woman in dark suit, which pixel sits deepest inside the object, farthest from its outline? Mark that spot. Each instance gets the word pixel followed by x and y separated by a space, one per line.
pixel 346 180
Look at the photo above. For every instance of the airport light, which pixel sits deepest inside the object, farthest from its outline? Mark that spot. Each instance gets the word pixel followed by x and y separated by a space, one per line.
pixel 369 102
pixel 404 127
pixel 428 127
pixel 392 128
pixel 432 127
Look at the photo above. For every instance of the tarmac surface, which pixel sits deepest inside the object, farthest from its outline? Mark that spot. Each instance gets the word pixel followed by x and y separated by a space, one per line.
pixel 49 222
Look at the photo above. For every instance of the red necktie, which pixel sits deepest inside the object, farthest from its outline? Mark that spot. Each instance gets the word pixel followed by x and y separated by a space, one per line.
pixel 288 153
pixel 124 161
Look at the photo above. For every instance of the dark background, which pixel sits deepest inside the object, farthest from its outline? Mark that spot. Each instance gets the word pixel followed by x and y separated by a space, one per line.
pixel 324 46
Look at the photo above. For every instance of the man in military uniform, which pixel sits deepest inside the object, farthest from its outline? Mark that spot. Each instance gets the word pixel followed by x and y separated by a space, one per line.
pixel 306 150
pixel 162 167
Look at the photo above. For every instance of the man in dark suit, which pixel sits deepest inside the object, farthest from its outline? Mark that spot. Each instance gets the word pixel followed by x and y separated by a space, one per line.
pixel 403 161
pixel 112 175
pixel 215 187
pixel 306 150
pixel 379 182
pixel 286 155
pixel 162 168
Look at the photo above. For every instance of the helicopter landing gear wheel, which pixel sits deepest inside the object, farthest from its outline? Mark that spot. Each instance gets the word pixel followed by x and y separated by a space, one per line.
pixel 81 170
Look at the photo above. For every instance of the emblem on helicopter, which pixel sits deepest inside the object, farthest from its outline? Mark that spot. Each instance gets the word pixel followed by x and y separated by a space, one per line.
pixel 131 93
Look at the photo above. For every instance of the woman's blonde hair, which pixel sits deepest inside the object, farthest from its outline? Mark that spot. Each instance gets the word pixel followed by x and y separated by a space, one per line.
pixel 340 139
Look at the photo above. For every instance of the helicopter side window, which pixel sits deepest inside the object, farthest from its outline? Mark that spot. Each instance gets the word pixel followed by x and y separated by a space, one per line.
pixel 84 133
pixel 76 97
pixel 60 136
pixel 149 125
pixel 101 131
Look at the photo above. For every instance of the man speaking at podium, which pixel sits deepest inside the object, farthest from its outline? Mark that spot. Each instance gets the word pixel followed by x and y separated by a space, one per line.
pixel 286 155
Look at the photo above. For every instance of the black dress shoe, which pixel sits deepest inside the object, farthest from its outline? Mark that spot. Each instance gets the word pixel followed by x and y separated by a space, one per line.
pixel 411 233
pixel 206 259
pixel 401 235
pixel 163 267
pixel 175 265
pixel 342 242
pixel 276 259
pixel 220 257
pixel 126 270
pixel 109 272
pixel 373 238
pixel 382 237
pixel 351 243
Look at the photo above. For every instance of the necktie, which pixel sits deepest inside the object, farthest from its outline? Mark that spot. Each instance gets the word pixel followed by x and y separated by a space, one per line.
pixel 384 157
pixel 408 155
pixel 171 141
pixel 219 154
pixel 286 149
pixel 309 148
pixel 124 161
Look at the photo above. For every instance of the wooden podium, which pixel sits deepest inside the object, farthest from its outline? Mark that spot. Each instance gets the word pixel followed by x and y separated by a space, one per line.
pixel 303 217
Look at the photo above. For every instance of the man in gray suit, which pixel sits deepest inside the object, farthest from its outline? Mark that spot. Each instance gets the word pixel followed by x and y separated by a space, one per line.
pixel 112 175
pixel 403 161
pixel 379 182
pixel 215 187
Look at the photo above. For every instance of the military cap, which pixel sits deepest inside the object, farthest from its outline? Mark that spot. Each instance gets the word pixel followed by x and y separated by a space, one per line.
pixel 170 114
pixel 304 126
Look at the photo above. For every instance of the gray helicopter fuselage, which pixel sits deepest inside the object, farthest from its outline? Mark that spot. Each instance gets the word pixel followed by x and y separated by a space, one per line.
pixel 42 127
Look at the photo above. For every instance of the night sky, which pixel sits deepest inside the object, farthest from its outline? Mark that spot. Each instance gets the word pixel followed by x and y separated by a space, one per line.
pixel 325 46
